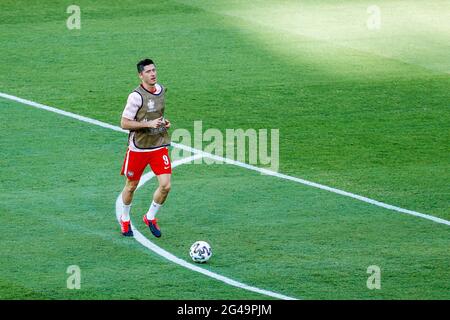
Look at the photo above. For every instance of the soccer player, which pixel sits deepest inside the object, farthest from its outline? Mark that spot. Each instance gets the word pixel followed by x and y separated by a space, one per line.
pixel 148 140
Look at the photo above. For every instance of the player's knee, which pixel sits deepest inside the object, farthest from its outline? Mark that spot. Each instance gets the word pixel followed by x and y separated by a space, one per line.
pixel 165 188
pixel 131 189
pixel 131 186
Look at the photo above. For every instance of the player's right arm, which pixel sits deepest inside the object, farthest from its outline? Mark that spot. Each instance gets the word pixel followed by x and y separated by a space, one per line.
pixel 127 122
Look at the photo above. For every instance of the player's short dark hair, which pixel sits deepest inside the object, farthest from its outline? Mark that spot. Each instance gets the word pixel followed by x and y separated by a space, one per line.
pixel 141 64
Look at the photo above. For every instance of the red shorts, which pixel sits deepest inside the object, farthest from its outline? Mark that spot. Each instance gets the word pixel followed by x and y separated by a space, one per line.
pixel 135 163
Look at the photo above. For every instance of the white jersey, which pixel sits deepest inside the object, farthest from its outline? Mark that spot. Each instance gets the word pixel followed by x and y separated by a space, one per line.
pixel 134 102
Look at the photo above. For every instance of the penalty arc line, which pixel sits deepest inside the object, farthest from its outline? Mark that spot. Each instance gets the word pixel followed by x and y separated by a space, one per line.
pixel 233 162
pixel 139 237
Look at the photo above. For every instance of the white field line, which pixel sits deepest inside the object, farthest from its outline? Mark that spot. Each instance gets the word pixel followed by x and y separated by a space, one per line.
pixel 167 255
pixel 236 163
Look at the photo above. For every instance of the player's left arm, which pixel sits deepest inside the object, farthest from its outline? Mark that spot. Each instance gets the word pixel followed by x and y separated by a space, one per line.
pixel 168 124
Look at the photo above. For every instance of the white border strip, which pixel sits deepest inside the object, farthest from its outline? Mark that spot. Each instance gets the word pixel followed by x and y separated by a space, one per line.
pixel 233 162
pixel 169 256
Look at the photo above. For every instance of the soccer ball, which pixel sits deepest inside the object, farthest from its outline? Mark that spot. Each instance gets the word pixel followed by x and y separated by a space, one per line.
pixel 200 251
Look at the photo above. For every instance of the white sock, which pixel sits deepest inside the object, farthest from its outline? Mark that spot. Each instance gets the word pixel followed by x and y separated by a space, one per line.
pixel 153 210
pixel 126 212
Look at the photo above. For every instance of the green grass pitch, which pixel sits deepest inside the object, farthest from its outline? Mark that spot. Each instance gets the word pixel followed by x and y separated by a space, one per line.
pixel 365 111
